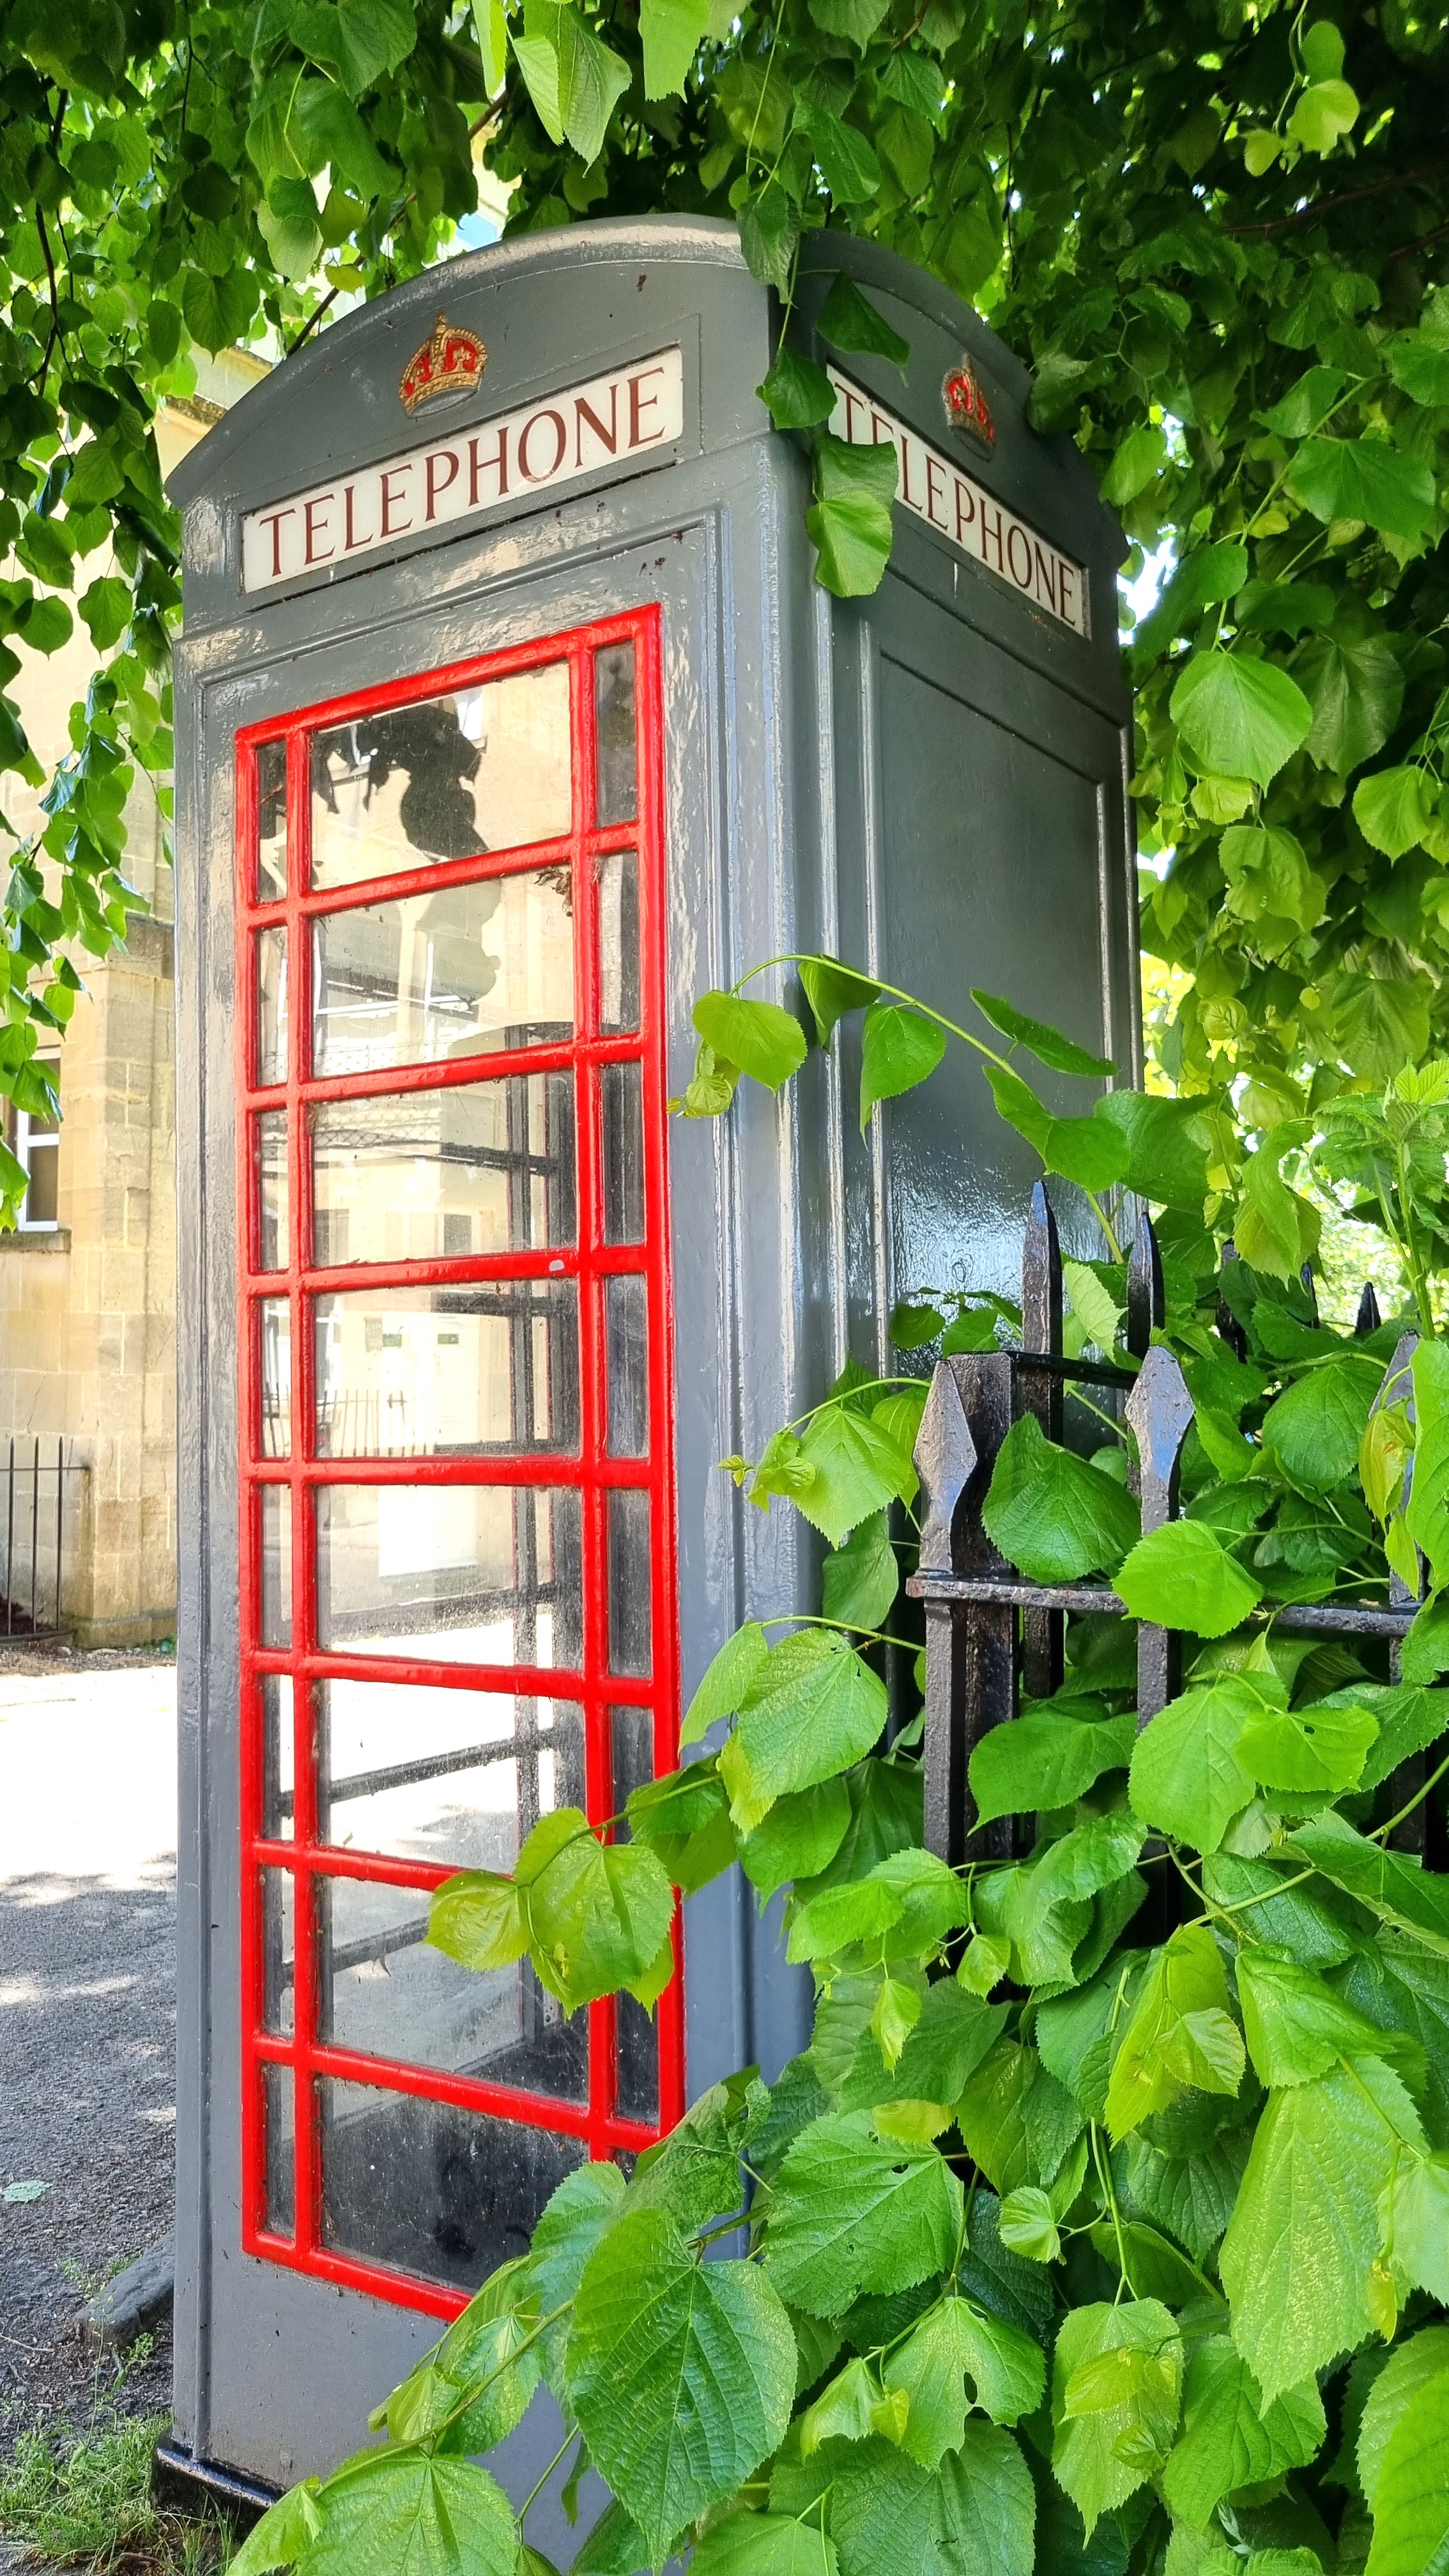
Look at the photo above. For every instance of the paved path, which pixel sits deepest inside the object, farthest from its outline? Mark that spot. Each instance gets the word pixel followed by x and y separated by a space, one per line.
pixel 87 2011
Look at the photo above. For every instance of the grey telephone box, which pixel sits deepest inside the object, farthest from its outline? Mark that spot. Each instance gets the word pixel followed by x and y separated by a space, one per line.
pixel 510 719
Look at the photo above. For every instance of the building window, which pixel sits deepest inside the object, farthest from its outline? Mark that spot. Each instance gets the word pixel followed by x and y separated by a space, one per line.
pixel 37 1147
pixel 457 1576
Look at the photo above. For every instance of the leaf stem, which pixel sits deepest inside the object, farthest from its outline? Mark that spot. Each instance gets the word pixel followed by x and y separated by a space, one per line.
pixel 535 2491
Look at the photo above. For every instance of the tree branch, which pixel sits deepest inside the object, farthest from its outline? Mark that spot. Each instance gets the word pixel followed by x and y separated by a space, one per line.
pixel 1439 233
pixel 488 117
pixel 1350 197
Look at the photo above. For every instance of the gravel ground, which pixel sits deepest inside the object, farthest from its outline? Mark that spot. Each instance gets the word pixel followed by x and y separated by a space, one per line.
pixel 87 2015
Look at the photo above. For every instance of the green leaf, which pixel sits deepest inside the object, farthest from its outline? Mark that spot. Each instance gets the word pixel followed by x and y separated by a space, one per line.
pixel 1229 2439
pixel 860 1580
pixel 1307 1750
pixel 764 1041
pixel 1015 2118
pixel 843 156
pixel 1191 2195
pixel 798 1838
pixel 1092 1302
pixel 831 990
pixel 284 2534
pixel 1355 688
pixel 1138 461
pixel 681 2374
pixel 1028 2224
pixel 1410 2368
pixel 899 1049
pixel 478 1919
pixel 848 319
pixel 1314 1428
pixel 1166 1147
pixel 1306 405
pixel 1181 1577
pixel 1296 2256
pixel 1364 479
pixel 1324 113
pixel 796 393
pixel 1046 1759
pixel 1409 1719
pixel 1051 1513
pixel 973 2516
pixel 591 78
pixel 1243 718
pixel 814 1710
pixel 490 27
pixel 1084 1150
pixel 1428 1512
pixel 1297 2028
pixel 851 2213
pixel 1188 1777
pixel 1411 2516
pixel 413 2510
pixel 574 2221
pixel 770 234
pixel 612 2548
pixel 106 608
pixel 1116 2393
pixel 1180 2037
pixel 1413 1899
pixel 599 1913
pixel 671 31
pixel 1047 1044
pixel 727 1681
pixel 1394 809
pixel 857 1468
pixel 763 2544
pixel 953 2035
pixel 953 2343
pixel 849 521
pixel 1419 367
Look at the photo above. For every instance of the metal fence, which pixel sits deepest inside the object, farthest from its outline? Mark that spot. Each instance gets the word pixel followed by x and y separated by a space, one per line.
pixel 987 1630
pixel 34 1525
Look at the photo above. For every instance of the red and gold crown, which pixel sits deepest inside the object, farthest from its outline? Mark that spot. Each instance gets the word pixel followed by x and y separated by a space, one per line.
pixel 966 405
pixel 450 363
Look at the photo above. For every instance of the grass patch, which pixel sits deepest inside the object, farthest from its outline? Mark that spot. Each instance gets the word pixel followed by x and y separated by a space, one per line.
pixel 84 2500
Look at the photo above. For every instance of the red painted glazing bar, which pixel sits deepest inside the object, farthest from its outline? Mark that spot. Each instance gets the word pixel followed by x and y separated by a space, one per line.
pixel 559 1055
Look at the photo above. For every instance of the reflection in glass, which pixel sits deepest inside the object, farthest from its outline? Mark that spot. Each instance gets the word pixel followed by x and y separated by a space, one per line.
pixel 614 722
pixel 631 1738
pixel 271 821
pixel 626 1363
pixel 421 2187
pixel 622 1090
pixel 429 1372
pixel 276 1508
pixel 629 1579
pixel 278 2113
pixel 382 1990
pixel 618 883
pixel 487 769
pixel 271 961
pixel 278 1799
pixel 278 1954
pixel 484 1574
pixel 437 1175
pixel 459 1777
pixel 465 971
pixel 275 1325
pixel 270 1146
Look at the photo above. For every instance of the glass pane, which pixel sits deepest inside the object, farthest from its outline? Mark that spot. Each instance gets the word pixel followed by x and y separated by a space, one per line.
pixel 618 882
pixel 42 1196
pixel 622 1088
pixel 438 1175
pixel 631 1734
pixel 270 1150
pixel 275 1326
pixel 614 723
pixel 278 2149
pixel 464 971
pixel 454 1776
pixel 276 1506
pixel 626 1358
pixel 382 1990
pixel 278 1953
pixel 423 2188
pixel 278 1804
pixel 271 821
pixel 487 769
pixel 629 1572
pixel 479 1574
pixel 271 963
pixel 428 1372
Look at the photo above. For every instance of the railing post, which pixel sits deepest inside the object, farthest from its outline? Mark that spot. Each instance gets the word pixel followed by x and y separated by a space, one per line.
pixel 1159 1410
pixel 1228 1325
pixel 1368 1318
pixel 1146 1301
pixel 970 1647
pixel 1039 1391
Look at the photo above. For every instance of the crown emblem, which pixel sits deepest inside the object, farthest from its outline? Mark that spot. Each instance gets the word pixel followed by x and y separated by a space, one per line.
pixel 451 362
pixel 966 405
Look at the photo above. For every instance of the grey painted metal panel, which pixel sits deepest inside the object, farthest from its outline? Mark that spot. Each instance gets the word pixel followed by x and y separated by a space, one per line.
pixel 931 782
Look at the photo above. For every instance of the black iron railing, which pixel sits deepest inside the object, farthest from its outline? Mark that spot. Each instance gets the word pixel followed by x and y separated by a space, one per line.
pixel 988 1632
pixel 33 1531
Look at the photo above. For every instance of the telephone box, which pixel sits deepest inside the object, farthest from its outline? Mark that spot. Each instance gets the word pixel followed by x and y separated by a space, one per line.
pixel 510 717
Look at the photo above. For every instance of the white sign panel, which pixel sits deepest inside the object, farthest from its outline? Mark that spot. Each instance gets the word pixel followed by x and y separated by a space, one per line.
pixel 612 420
pixel 963 512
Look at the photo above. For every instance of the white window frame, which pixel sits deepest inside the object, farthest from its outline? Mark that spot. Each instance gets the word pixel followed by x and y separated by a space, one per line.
pixel 26 1145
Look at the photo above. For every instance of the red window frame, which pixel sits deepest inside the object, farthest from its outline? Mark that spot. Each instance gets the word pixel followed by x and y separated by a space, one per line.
pixel 598 2123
